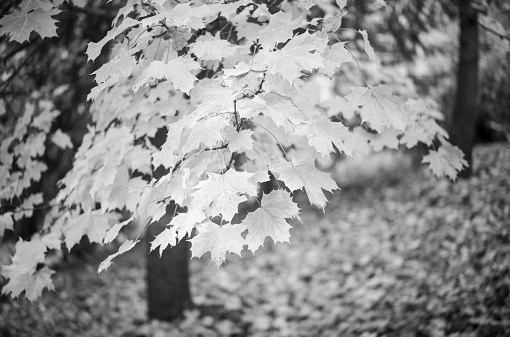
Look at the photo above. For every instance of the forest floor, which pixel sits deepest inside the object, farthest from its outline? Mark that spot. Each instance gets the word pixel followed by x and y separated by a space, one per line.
pixel 408 255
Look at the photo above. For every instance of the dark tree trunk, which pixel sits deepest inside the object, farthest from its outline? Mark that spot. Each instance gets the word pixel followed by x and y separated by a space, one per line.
pixel 168 292
pixel 466 103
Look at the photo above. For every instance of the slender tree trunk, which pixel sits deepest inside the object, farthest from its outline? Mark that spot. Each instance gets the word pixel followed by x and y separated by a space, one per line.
pixel 167 277
pixel 168 292
pixel 466 105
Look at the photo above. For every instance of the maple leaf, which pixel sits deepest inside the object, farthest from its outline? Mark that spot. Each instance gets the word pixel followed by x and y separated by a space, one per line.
pixel 280 29
pixel 281 110
pixel 241 78
pixel 423 130
pixel 238 141
pixel 221 193
pixel 332 22
pixel 167 237
pixel 269 219
pixel 94 225
pixel 295 56
pixel 307 4
pixel 323 133
pixel 94 48
pixel 422 126
pixel 219 240
pixel 275 83
pixel 341 3
pixel 117 69
pixel 214 49
pixel 334 57
pixel 32 283
pixel 113 232
pixel 184 223
pixel 447 160
pixel 20 24
pixel 389 139
pixel 379 107
pixel 206 131
pixel 177 70
pixel 30 5
pixel 126 246
pixel 183 15
pixel 45 118
pixel 297 175
pixel 6 222
pixel 62 140
pixel 368 47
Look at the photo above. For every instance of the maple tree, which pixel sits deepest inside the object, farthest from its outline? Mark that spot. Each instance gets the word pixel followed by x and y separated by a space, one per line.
pixel 228 80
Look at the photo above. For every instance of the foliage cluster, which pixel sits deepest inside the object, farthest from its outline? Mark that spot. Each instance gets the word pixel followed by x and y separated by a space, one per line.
pixel 227 83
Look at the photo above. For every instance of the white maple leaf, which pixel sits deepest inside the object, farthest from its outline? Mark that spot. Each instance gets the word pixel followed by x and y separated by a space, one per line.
pixel 126 246
pixel 212 49
pixel 368 47
pixel 281 110
pixel 222 193
pixel 45 118
pixel 113 232
pixel 275 83
pixel 447 160
pixel 6 222
pixel 334 57
pixel 93 224
pixel 423 130
pixel 20 24
pixel 323 133
pixel 332 22
pixel 177 70
pixel 270 219
pixel 184 223
pixel 112 72
pixel 62 140
pixel 341 3
pixel 33 283
pixel 206 131
pixel 30 5
pixel 298 175
pixel 183 15
pixel 307 4
pixel 238 141
pixel 167 237
pixel 295 56
pixel 280 29
pixel 219 240
pixel 379 107
pixel 389 139
pixel 94 48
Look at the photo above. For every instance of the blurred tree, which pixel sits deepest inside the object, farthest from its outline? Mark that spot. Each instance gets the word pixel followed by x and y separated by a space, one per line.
pixel 466 103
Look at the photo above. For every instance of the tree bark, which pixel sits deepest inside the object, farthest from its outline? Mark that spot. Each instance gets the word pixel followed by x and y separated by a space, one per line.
pixel 168 291
pixel 464 118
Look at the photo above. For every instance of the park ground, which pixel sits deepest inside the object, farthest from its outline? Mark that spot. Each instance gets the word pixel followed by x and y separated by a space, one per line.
pixel 397 253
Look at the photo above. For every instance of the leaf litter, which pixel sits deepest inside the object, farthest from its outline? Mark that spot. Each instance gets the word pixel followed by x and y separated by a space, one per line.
pixel 421 257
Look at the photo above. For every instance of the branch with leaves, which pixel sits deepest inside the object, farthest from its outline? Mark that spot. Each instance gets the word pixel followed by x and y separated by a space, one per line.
pixel 151 81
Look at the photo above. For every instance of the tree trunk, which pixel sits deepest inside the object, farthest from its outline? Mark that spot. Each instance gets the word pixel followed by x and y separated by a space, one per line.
pixel 168 292
pixel 466 103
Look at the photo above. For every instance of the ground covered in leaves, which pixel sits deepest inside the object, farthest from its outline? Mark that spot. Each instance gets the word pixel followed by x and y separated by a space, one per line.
pixel 413 257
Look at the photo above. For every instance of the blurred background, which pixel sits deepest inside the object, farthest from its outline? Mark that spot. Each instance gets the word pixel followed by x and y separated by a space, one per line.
pixel 397 252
